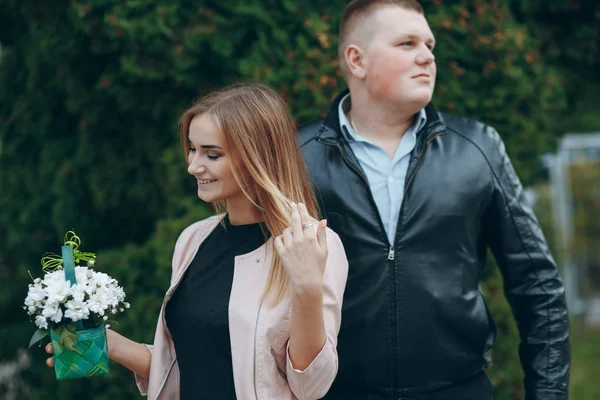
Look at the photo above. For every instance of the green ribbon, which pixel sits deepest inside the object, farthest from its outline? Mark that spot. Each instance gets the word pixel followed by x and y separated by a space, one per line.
pixel 51 261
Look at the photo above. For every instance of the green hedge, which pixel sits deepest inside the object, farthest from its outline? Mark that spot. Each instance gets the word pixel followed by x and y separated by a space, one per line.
pixel 90 93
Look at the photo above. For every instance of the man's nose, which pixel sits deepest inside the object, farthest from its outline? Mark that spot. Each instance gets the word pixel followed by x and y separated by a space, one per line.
pixel 425 56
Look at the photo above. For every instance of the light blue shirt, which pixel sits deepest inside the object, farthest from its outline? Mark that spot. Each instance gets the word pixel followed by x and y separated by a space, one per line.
pixel 386 176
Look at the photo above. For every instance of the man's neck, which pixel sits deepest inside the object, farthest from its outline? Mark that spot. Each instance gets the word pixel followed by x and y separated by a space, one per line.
pixel 377 122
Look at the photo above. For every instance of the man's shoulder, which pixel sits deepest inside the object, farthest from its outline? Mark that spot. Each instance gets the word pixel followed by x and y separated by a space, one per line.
pixel 476 132
pixel 307 133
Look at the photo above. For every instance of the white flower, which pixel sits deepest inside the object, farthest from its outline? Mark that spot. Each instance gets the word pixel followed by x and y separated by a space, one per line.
pixel 41 322
pixel 29 301
pixel 53 312
pixel 102 279
pixel 98 303
pixel 76 310
pixel 37 293
pixel 78 292
pixel 58 291
pixel 54 299
pixel 50 310
pixel 81 274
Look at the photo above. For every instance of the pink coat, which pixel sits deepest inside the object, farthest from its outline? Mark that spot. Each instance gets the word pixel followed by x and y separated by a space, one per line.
pixel 258 333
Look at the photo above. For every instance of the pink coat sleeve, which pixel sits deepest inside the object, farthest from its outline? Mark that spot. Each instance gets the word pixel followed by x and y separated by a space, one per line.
pixel 316 379
pixel 141 382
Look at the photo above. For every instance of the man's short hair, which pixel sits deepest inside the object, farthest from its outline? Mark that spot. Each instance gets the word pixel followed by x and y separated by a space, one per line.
pixel 359 9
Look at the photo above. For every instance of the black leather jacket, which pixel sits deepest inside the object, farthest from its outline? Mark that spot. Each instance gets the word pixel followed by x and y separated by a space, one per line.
pixel 414 318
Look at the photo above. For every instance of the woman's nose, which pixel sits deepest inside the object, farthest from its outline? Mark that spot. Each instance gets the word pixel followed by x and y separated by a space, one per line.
pixel 195 166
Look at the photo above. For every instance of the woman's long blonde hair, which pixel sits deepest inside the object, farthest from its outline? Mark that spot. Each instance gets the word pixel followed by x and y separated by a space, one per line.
pixel 260 140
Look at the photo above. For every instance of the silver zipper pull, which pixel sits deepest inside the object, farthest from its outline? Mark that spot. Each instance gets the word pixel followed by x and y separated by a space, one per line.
pixel 391 253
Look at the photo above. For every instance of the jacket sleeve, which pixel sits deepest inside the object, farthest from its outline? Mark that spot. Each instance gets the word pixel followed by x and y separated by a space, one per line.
pixel 316 379
pixel 141 382
pixel 532 284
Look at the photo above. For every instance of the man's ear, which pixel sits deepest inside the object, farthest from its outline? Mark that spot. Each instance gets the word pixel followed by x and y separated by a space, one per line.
pixel 355 61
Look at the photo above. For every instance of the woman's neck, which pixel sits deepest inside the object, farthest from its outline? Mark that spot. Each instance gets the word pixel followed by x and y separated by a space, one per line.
pixel 242 212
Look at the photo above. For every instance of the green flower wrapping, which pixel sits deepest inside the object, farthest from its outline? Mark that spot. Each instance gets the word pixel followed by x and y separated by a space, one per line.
pixel 74 312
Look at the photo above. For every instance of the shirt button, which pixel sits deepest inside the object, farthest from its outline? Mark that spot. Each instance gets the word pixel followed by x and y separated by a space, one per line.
pixel 391 180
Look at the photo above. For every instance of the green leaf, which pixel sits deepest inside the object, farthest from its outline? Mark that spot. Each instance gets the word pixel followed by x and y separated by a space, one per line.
pixel 67 337
pixel 37 336
pixel 69 340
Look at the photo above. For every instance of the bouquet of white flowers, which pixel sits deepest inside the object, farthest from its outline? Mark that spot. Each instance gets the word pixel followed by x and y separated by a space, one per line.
pixel 72 303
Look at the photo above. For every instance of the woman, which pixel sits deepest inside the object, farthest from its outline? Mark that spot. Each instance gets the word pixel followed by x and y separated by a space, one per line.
pixel 254 305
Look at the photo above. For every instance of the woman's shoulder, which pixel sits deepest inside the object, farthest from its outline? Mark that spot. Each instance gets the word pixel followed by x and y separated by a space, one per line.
pixel 194 234
pixel 202 225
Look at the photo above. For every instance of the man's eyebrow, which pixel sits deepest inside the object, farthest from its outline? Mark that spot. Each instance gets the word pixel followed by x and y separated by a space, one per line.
pixel 412 36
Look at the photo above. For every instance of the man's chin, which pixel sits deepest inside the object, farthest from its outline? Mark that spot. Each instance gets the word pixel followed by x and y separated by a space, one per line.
pixel 415 103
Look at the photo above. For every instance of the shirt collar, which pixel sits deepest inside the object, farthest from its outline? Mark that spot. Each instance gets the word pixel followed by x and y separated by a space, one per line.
pixel 351 135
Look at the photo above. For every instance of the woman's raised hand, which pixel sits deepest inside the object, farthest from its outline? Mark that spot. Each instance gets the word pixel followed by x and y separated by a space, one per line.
pixel 303 249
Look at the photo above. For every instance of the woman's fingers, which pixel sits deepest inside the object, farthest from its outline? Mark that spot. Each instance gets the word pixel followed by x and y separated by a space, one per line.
pixel 287 236
pixel 309 224
pixel 279 245
pixel 322 235
pixel 296 221
pixel 49 361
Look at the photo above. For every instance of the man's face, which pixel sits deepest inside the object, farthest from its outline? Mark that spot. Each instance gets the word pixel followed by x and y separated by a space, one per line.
pixel 399 63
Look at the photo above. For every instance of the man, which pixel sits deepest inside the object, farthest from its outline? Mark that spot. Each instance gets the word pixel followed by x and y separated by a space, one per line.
pixel 418 197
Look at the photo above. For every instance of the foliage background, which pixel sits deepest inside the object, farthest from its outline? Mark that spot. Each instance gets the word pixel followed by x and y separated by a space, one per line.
pixel 90 93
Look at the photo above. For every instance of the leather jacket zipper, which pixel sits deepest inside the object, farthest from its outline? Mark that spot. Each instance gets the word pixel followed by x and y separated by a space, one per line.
pixel 391 252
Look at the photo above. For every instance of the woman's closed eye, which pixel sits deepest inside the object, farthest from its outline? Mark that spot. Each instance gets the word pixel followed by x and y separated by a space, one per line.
pixel 213 156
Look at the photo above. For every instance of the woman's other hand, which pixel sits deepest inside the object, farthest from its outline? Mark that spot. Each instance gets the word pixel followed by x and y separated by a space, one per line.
pixel 303 250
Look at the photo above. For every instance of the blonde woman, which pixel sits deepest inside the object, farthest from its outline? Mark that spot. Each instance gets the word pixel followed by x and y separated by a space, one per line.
pixel 253 309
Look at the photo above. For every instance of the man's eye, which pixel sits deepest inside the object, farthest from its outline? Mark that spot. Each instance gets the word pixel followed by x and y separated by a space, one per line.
pixel 406 43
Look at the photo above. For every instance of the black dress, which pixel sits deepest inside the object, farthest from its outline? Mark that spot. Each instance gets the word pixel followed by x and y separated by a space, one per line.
pixel 197 314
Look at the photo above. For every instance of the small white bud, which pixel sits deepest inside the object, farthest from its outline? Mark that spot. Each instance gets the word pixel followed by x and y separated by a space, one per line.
pixel 37 280
pixel 91 262
pixel 89 274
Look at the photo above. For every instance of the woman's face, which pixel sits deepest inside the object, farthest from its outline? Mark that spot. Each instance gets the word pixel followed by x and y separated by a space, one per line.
pixel 209 163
